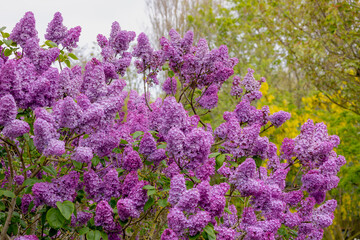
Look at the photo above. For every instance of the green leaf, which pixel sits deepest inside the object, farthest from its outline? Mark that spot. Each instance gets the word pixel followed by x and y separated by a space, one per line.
pixel 8 42
pixel 151 192
pixel 95 161
pixel 83 230
pixel 116 150
pixel 122 141
pixel 77 165
pixel 148 163
pixel 194 237
pixel 220 160
pixel 31 181
pixel 5 34
pixel 137 134
pixel 123 223
pixel 67 62
pixel 51 44
pixel 49 169
pixel 7 52
pixel 228 211
pixel 148 187
pixel 85 136
pixel 2 206
pixel 162 146
pixel 104 236
pixel 7 193
pixel 258 161
pixel 55 218
pixel 214 154
pixel 73 56
pixel 66 208
pixel 209 229
pixel 93 235
pixel 149 203
pixel 2 29
pixel 171 73
pixel 163 202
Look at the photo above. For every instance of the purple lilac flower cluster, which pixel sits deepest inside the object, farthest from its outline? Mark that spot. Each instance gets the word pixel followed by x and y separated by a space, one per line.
pixel 154 161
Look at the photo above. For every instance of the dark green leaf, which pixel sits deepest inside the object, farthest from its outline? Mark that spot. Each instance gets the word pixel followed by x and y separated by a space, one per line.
pixel 49 169
pixel 149 203
pixel 83 230
pixel 55 218
pixel 209 229
pixel 7 52
pixel 77 165
pixel 95 161
pixel 195 237
pixel 7 193
pixel 116 150
pixel 66 208
pixel 171 73
pixel 104 236
pixel 2 206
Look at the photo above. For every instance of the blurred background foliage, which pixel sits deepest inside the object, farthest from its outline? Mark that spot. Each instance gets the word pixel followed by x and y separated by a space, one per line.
pixel 308 50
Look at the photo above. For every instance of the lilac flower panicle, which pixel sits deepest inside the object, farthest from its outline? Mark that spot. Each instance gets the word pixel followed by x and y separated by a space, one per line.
pixel 72 38
pixel 177 220
pixel 139 195
pixel 279 118
pixel 198 221
pixel 55 147
pixel 16 128
pixel 147 144
pixel 130 181
pixel 8 109
pixel 126 208
pixel 56 31
pixel 209 98
pixel 24 29
pixel 170 86
pixel 19 179
pixel 112 185
pixel 131 160
pixel 188 200
pixel 103 214
pixel 83 154
pixel 177 188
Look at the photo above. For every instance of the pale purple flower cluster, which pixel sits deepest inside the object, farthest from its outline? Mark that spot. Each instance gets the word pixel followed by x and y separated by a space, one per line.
pixel 24 29
pixel 170 86
pixel 13 127
pixel 62 189
pixel 279 118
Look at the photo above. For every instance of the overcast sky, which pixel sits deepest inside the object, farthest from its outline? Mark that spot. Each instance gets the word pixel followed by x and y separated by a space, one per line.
pixel 94 17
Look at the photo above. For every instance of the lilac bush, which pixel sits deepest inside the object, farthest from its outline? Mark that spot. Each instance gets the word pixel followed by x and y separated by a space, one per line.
pixel 80 156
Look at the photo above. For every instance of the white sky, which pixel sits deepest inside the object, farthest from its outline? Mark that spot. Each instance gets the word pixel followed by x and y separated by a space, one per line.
pixel 94 17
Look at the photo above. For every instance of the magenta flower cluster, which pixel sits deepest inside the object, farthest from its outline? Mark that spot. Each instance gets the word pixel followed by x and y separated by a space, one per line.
pixel 126 160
